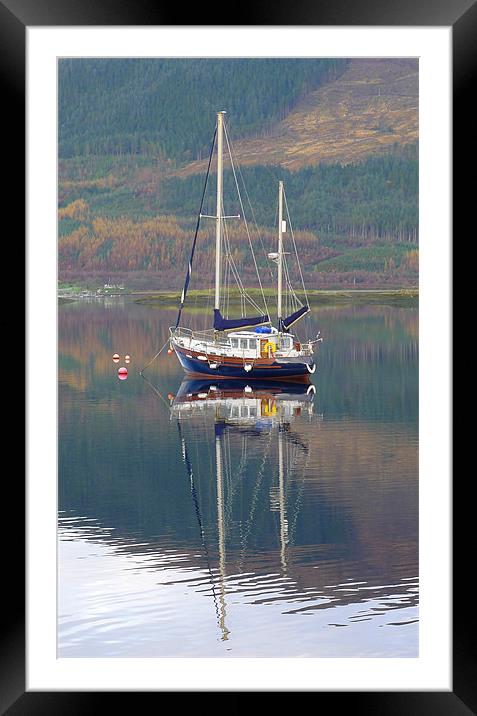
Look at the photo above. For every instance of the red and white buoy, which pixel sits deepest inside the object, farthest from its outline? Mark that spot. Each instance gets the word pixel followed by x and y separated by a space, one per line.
pixel 116 357
pixel 170 351
pixel 122 373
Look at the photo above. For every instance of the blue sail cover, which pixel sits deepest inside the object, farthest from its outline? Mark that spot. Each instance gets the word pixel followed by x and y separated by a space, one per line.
pixel 286 323
pixel 225 324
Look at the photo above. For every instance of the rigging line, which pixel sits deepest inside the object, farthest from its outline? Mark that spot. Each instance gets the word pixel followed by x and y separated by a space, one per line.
pixel 246 225
pixel 230 262
pixel 296 250
pixel 299 498
pixel 208 441
pixel 239 477
pixel 206 312
pixel 243 292
pixel 276 180
pixel 238 474
pixel 236 273
pixel 207 301
pixel 224 272
pixel 190 474
pixel 229 474
pixel 267 263
pixel 244 295
pixel 189 269
pixel 231 265
pixel 296 509
pixel 289 284
pixel 293 302
pixel 227 289
pixel 258 484
pixel 275 224
pixel 231 276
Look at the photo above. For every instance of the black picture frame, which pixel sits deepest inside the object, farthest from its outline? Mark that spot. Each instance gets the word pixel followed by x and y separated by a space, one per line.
pixel 461 15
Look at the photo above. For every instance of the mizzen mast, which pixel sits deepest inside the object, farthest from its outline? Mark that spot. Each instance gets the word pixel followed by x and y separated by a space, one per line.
pixel 218 237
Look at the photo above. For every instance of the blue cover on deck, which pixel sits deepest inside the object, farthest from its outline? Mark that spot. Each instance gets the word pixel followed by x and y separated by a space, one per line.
pixel 225 324
pixel 286 323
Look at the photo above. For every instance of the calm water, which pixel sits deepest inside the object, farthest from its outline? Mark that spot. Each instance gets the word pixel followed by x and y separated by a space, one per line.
pixel 208 520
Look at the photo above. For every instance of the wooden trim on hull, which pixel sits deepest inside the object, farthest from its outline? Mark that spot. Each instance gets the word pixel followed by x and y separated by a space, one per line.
pixel 233 368
pixel 233 361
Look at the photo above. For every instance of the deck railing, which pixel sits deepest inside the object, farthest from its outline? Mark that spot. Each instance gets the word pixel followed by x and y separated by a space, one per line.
pixel 206 338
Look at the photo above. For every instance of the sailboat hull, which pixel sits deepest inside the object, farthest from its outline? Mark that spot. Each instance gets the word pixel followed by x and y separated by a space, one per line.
pixel 230 368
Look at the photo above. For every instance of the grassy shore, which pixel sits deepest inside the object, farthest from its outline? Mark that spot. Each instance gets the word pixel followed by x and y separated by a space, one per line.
pixel 403 297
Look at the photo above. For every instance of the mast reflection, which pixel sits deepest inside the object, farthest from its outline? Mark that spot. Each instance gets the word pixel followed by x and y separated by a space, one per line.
pixel 250 409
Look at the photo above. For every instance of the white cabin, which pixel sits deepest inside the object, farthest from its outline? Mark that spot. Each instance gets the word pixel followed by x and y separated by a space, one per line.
pixel 242 344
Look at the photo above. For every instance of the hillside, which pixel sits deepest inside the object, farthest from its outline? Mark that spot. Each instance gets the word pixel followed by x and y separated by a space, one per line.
pixel 369 108
pixel 342 134
pixel 166 107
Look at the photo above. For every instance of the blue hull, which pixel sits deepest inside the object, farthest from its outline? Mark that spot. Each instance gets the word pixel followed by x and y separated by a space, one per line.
pixel 279 388
pixel 272 372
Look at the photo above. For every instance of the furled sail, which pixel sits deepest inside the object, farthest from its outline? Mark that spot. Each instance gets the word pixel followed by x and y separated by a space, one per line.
pixel 286 323
pixel 225 324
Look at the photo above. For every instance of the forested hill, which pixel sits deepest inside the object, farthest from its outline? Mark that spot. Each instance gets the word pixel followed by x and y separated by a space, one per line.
pixel 167 107
pixel 134 137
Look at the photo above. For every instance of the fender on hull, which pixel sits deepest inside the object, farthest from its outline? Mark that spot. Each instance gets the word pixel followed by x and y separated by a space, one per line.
pixel 274 371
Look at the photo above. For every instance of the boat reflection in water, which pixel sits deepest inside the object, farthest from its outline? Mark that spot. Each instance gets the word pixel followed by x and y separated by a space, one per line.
pixel 248 410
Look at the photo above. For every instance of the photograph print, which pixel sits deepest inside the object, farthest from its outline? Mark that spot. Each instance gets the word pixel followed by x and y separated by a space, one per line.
pixel 238 341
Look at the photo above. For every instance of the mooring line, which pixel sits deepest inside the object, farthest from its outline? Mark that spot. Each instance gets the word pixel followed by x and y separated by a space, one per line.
pixel 156 391
pixel 152 359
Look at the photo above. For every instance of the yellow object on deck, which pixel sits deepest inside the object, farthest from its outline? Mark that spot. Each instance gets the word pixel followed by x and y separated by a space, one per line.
pixel 267 347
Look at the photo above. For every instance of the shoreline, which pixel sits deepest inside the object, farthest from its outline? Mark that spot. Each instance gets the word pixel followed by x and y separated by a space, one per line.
pixel 405 296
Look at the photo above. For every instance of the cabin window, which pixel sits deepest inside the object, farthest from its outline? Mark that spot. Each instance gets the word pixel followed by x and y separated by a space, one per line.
pixel 243 343
pixel 252 343
pixel 286 343
pixel 234 342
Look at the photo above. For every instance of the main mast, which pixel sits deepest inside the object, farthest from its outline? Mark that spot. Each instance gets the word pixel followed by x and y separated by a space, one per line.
pixel 218 238
pixel 280 254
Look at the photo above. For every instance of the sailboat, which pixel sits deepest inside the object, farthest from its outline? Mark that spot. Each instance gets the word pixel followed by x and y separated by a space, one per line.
pixel 247 346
